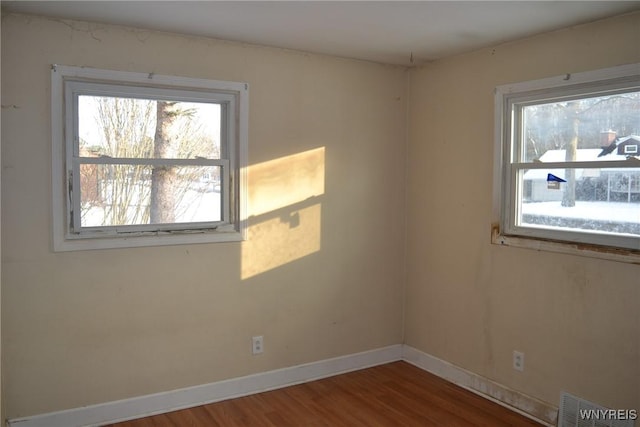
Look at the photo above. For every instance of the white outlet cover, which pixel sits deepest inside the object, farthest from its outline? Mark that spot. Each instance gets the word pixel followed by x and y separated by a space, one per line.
pixel 518 361
pixel 257 344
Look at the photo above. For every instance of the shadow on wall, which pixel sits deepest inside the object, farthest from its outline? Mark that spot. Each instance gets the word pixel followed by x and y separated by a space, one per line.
pixel 285 198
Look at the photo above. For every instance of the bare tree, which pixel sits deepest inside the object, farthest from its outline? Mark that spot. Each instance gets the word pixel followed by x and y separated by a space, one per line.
pixel 164 178
pixel 119 190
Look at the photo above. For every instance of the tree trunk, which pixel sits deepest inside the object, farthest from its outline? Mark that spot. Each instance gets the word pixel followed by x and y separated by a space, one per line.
pixel 163 178
pixel 569 195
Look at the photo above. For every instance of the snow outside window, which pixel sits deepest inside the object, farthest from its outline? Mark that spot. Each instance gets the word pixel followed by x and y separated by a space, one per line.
pixel 141 159
pixel 567 165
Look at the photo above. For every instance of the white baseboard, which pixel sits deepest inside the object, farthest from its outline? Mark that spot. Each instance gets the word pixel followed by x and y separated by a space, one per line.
pixel 516 401
pixel 143 406
pixel 121 410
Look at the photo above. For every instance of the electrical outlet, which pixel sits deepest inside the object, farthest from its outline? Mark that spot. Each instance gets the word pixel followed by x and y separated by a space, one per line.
pixel 257 344
pixel 518 361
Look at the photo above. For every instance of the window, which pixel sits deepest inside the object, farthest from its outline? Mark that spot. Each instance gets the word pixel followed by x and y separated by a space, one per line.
pixel 565 176
pixel 144 160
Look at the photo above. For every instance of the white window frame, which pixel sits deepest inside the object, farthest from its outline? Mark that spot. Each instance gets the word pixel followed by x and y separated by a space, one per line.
pixel 67 83
pixel 507 164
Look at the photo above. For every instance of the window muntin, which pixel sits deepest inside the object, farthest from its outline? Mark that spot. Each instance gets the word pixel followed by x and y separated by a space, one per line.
pixel 157 162
pixel 576 129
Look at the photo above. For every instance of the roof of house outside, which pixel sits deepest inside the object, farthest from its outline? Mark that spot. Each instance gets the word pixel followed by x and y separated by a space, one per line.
pixel 582 155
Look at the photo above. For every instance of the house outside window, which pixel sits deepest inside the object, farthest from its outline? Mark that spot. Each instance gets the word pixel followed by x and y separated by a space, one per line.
pixel 567 171
pixel 145 160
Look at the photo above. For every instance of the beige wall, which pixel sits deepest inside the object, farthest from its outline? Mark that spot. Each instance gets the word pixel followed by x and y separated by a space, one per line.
pixel 327 134
pixel 576 319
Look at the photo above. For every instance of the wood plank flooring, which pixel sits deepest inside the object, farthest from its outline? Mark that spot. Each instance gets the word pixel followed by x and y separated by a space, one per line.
pixel 395 394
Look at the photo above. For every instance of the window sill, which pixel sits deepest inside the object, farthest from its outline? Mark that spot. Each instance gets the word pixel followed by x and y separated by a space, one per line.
pixel 117 242
pixel 581 249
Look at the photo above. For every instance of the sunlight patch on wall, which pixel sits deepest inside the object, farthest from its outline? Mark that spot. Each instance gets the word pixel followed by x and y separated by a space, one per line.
pixel 285 211
pixel 282 182
pixel 281 240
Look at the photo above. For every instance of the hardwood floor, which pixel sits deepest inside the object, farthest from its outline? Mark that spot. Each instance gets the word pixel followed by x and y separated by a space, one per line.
pixel 395 394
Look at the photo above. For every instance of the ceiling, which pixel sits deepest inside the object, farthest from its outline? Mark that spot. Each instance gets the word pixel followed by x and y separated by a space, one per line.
pixel 392 32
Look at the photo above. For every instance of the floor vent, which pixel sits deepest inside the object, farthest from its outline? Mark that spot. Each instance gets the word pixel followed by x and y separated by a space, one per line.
pixel 576 412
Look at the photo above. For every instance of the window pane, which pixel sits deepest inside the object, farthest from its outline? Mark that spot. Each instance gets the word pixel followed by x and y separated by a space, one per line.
pixel 587 129
pixel 119 195
pixel 597 200
pixel 143 128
